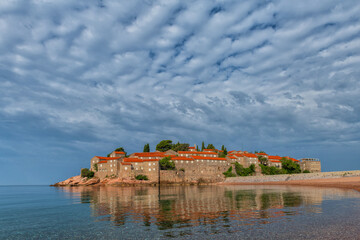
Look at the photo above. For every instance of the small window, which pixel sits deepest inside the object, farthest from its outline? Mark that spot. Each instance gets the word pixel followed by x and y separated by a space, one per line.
pixel 149 169
pixel 125 168
pixel 149 164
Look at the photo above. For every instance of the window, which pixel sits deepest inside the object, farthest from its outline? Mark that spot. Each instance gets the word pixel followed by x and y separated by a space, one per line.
pixel 149 164
pixel 149 169
pixel 154 164
pixel 154 169
pixel 136 163
pixel 125 168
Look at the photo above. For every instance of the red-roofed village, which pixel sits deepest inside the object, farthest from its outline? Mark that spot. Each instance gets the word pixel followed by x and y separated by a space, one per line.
pixel 190 164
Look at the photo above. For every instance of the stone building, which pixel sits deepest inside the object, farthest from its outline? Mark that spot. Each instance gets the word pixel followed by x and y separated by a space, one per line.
pixel 310 164
pixel 190 165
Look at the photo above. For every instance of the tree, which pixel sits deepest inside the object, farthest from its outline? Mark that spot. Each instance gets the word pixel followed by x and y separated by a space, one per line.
pixel 289 166
pixel 263 160
pixel 225 151
pixel 197 148
pixel 180 147
pixel 120 149
pixel 147 148
pixel 202 146
pixel 166 164
pixel 95 167
pixel 222 147
pixel 229 173
pixel 85 172
pixel 241 171
pixel 141 177
pixel 210 146
pixel 164 145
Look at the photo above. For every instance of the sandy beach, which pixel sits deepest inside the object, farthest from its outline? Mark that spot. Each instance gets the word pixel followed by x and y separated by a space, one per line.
pixel 344 182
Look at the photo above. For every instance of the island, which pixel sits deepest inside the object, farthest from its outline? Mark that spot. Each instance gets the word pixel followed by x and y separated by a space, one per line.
pixel 180 163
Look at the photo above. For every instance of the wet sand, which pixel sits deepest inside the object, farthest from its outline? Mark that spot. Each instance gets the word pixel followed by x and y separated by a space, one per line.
pixel 343 182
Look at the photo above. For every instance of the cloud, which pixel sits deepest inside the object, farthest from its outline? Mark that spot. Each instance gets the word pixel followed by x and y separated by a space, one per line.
pixel 133 72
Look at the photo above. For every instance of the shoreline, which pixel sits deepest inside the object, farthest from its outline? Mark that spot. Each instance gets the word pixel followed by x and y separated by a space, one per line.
pixel 342 182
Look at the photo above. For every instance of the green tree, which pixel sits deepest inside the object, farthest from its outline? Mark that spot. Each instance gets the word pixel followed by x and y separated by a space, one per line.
pixel 147 148
pixel 85 172
pixel 167 164
pixel 164 145
pixel 241 171
pixel 210 146
pixel 120 149
pixel 306 171
pixel 197 148
pixel 222 147
pixel 202 146
pixel 229 173
pixel 289 166
pixel 95 167
pixel 263 160
pixel 225 151
pixel 141 177
pixel 180 147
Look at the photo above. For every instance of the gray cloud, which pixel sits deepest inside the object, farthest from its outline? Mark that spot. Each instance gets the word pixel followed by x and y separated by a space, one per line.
pixel 133 72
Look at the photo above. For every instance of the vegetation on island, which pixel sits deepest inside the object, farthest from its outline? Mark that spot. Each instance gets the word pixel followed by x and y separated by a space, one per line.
pixel 166 145
pixel 240 170
pixel 146 148
pixel 95 167
pixel 141 177
pixel 166 164
pixel 229 173
pixel 288 167
pixel 85 172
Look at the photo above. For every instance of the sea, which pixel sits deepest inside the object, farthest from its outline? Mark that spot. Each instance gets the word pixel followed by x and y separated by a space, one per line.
pixel 179 212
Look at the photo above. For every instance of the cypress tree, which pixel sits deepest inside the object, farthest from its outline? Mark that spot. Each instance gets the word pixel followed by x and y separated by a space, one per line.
pixel 202 146
pixel 147 148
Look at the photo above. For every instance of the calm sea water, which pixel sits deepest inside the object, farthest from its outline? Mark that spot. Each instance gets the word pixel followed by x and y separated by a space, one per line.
pixel 189 212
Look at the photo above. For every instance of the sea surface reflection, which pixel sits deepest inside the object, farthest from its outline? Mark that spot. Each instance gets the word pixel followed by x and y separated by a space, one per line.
pixel 183 211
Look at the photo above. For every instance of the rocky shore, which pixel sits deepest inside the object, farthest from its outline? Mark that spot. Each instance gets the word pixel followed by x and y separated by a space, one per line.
pixel 343 179
pixel 80 181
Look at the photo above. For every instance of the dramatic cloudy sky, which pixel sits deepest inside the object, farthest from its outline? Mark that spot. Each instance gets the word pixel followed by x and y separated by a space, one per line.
pixel 79 78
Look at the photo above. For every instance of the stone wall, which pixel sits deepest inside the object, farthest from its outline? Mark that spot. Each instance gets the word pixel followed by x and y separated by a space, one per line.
pixel 289 177
pixel 172 176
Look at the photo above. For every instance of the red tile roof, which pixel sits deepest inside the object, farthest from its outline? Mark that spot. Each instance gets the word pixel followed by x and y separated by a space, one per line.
pixel 192 148
pixel 274 158
pixel 119 152
pixel 182 158
pixel 187 152
pixel 208 158
pixel 107 158
pixel 250 155
pixel 102 162
pixel 125 163
pixel 133 160
pixel 231 157
pixel 207 153
pixel 209 150
pixel 150 154
pixel 264 154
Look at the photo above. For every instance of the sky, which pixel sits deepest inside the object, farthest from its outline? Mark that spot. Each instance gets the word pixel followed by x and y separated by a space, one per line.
pixel 81 78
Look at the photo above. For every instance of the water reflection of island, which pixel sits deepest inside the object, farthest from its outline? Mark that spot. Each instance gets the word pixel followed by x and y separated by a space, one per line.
pixel 178 206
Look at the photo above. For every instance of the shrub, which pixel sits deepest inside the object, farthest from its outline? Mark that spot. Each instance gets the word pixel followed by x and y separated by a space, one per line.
pixel 141 177
pixel 95 167
pixel 229 173
pixel 306 171
pixel 241 171
pixel 266 170
pixel 164 145
pixel 166 164
pixel 85 172
pixel 182 169
pixel 290 166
